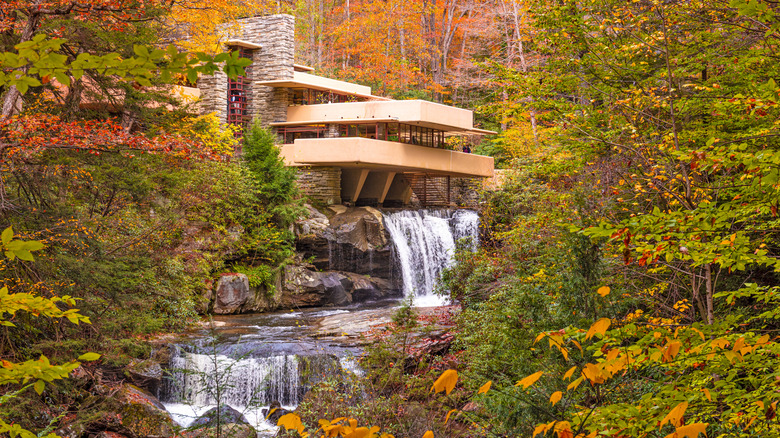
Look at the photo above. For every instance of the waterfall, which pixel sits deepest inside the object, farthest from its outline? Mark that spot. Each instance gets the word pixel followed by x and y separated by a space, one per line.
pixel 425 243
pixel 197 378
pixel 248 385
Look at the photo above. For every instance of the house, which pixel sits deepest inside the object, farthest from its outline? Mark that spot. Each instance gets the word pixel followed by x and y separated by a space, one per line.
pixel 349 146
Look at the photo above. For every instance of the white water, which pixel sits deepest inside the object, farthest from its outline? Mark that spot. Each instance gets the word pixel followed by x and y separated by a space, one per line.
pixel 425 244
pixel 247 385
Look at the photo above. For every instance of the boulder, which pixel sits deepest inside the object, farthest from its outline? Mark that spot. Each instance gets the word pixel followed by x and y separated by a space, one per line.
pixel 310 238
pixel 306 288
pixel 361 228
pixel 130 411
pixel 224 414
pixel 275 415
pixel 146 374
pixel 365 288
pixel 232 293
pixel 350 240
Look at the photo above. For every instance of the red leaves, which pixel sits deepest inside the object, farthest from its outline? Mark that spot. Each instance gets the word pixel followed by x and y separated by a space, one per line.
pixel 29 135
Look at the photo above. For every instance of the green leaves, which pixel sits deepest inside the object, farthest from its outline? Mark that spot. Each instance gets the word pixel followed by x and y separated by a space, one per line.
pixel 18 248
pixel 89 357
pixel 39 58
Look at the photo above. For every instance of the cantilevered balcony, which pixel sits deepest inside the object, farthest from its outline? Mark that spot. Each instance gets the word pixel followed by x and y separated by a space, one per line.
pixel 380 155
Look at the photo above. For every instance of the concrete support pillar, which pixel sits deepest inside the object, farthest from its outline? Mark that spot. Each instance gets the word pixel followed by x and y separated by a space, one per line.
pixel 386 188
pixel 352 182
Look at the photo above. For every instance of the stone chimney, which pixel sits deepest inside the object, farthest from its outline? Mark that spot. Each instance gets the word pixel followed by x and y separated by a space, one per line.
pixel 275 34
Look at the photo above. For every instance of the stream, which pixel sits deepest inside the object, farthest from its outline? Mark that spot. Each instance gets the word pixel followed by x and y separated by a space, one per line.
pixel 251 361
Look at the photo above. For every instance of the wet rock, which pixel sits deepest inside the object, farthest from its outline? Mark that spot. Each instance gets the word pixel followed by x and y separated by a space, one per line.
pixel 222 415
pixel 366 288
pixel 274 415
pixel 133 412
pixel 360 227
pixel 146 374
pixel 232 292
pixel 350 240
pixel 306 288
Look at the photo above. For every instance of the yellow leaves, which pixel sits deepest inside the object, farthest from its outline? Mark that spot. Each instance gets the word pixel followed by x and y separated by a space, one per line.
pixel 599 327
pixel 292 422
pixel 670 350
pixel 428 434
pixel 447 417
pixel 603 291
pixel 575 383
pixel 674 417
pixel 530 380
pixel 485 388
pixel 562 429
pixel 569 373
pixel 446 382
pixel 556 397
pixel 690 431
pixel 707 393
pixel 594 373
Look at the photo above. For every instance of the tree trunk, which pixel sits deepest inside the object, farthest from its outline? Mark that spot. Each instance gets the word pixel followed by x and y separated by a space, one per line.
pixel 12 101
pixel 710 293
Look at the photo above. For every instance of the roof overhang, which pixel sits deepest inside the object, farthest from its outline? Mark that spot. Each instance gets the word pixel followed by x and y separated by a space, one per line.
pixel 243 43
pixel 312 82
pixel 335 122
pixel 365 153
pixel 302 68
pixel 410 112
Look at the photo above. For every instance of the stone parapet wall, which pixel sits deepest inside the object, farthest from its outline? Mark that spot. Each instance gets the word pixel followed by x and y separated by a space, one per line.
pixel 321 183
pixel 466 191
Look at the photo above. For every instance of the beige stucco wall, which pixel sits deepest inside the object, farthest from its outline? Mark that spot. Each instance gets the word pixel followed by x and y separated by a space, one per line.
pixel 423 113
pixel 384 155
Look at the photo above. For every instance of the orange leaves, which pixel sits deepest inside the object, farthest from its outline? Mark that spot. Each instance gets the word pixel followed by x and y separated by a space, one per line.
pixel 446 382
pixel 674 417
pixel 485 388
pixel 556 397
pixel 562 429
pixel 594 373
pixel 343 427
pixel 603 291
pixel 29 135
pixel 292 422
pixel 530 380
pixel 690 431
pixel 598 328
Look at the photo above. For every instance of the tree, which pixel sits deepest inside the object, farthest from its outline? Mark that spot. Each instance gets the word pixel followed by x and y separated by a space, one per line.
pixel 32 373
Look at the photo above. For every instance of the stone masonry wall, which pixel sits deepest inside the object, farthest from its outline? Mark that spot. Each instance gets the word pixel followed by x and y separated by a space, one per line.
pixel 321 183
pixel 273 61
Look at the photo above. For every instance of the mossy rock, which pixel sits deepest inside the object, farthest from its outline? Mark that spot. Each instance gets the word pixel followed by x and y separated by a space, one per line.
pixel 133 412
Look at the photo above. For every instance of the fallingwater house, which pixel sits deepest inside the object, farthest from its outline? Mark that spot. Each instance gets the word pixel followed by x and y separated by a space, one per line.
pixel 350 146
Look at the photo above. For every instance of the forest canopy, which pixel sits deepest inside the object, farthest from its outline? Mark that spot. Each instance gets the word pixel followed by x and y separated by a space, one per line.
pixel 627 282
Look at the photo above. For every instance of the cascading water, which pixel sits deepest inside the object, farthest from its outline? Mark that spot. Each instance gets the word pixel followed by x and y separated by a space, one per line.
pixel 250 363
pixel 425 243
pixel 240 382
pixel 248 385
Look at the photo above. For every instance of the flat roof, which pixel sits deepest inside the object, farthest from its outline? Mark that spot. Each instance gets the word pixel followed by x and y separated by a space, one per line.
pixel 335 122
pixel 243 43
pixel 303 68
pixel 306 80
